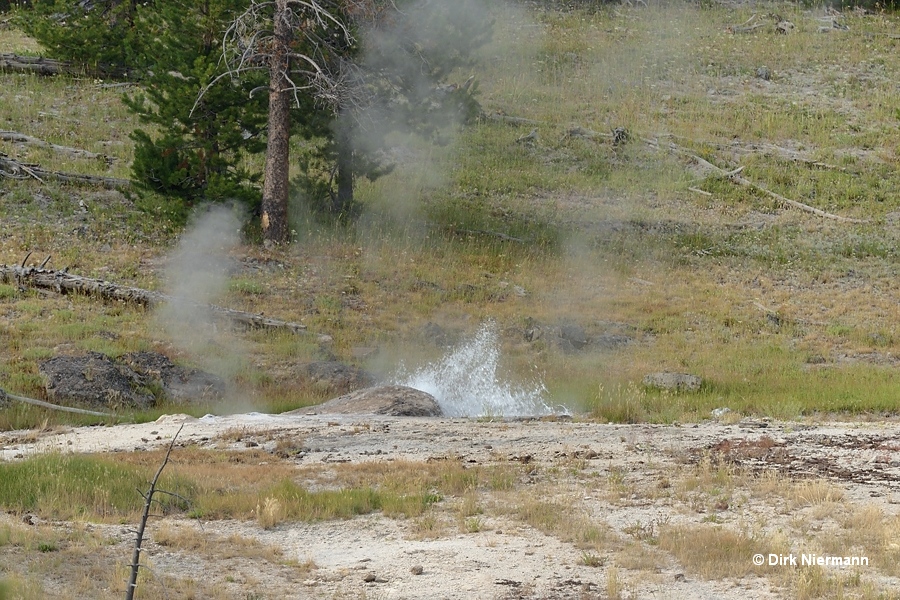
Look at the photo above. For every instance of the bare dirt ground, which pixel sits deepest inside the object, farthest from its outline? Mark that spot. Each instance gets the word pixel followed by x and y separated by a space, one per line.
pixel 626 476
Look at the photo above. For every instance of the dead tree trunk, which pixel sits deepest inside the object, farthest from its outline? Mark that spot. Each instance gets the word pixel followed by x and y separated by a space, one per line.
pixel 145 516
pixel 343 200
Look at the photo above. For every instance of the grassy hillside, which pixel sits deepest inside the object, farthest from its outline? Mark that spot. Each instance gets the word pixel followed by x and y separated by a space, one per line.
pixel 783 313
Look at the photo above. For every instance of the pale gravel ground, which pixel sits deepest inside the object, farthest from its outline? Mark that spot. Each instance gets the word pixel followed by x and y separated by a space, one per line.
pixel 506 559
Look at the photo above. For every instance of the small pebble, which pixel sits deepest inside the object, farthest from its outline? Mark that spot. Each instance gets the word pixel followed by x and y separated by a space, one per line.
pixel 416 570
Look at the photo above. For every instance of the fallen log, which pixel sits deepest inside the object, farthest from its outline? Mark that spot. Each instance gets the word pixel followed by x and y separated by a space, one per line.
pixel 587 134
pixel 747 26
pixel 49 66
pixel 34 64
pixel 66 283
pixel 734 176
pixel 42 404
pixel 14 169
pixel 500 117
pixel 704 168
pixel 21 138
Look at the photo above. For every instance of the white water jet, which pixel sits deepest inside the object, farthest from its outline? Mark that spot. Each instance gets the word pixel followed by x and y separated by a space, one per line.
pixel 465 382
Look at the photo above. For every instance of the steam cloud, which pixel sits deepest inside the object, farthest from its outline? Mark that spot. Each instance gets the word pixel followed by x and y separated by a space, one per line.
pixel 409 97
pixel 197 274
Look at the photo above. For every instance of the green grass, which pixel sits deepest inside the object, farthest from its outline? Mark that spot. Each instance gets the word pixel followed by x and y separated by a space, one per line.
pixel 83 487
pixel 73 487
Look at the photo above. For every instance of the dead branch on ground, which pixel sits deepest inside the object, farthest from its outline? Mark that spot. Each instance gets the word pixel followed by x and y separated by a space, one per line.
pixel 496 234
pixel 517 121
pixel 704 168
pixel 745 27
pixel 21 138
pixel 13 169
pixel 734 176
pixel 41 403
pixel 587 134
pixel 782 153
pixel 65 283
pixel 529 139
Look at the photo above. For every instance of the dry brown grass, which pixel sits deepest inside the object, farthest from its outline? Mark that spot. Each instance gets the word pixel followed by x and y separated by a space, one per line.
pixel 816 492
pixel 564 520
pixel 714 552
pixel 192 539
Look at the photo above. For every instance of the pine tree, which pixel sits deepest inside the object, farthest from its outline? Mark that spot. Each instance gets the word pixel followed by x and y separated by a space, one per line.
pixel 398 74
pixel 105 36
pixel 201 143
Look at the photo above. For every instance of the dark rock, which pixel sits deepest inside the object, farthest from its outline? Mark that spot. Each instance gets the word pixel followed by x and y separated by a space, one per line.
pixel 574 335
pixel 391 400
pixel 177 383
pixel 764 73
pixel 334 377
pixel 677 382
pixel 4 399
pixel 95 380
pixel 611 341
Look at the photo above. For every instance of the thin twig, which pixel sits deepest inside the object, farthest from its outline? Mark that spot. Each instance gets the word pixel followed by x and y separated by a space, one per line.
pixel 136 555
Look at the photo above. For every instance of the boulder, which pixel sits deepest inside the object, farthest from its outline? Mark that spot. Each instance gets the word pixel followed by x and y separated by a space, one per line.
pixel 573 338
pixel 134 380
pixel 391 400
pixel 94 380
pixel 676 382
pixel 335 377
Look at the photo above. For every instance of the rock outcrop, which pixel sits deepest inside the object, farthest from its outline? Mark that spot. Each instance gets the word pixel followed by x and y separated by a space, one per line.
pixel 390 400
pixel 134 380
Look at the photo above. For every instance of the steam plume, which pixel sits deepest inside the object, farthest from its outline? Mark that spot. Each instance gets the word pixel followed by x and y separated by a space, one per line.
pixel 197 274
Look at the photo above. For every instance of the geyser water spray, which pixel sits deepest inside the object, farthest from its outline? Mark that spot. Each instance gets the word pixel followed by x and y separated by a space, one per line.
pixel 465 382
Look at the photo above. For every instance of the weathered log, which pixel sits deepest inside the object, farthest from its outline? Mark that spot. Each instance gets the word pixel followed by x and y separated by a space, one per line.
pixel 796 156
pixel 746 27
pixel 35 64
pixel 42 404
pixel 734 176
pixel 14 169
pixel 21 138
pixel 496 234
pixel 750 29
pixel 500 117
pixel 704 168
pixel 49 66
pixel 587 134
pixel 66 283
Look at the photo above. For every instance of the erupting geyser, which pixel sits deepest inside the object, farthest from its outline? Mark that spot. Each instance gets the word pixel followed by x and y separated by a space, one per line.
pixel 465 382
